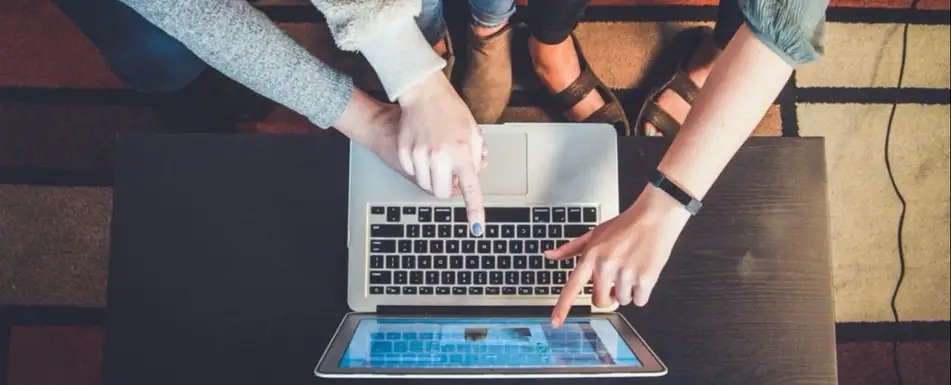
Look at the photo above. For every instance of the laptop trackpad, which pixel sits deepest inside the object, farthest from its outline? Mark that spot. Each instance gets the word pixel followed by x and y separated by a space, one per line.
pixel 507 172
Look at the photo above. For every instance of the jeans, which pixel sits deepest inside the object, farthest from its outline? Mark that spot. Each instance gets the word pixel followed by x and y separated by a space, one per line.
pixel 793 29
pixel 142 56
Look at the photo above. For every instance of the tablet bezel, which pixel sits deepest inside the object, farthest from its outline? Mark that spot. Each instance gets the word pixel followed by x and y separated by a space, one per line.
pixel 328 366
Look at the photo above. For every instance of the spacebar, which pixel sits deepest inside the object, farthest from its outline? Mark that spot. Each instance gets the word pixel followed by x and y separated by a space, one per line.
pixel 508 215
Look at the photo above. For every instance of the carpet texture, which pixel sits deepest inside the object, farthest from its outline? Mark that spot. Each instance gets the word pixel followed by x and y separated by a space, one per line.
pixel 61 107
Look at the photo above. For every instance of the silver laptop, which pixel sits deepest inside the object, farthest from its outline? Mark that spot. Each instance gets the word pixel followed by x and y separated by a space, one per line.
pixel 431 300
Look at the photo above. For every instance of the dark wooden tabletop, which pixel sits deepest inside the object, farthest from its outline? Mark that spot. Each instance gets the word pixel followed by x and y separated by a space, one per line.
pixel 228 264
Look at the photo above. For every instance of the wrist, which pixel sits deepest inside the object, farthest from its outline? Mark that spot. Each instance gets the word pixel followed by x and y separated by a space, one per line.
pixel 400 56
pixel 362 114
pixel 658 204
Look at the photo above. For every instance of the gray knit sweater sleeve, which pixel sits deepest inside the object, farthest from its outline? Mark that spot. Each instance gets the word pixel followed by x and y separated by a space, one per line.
pixel 242 43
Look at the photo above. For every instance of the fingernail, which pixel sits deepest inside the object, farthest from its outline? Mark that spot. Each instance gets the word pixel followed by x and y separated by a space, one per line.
pixel 554 322
pixel 477 229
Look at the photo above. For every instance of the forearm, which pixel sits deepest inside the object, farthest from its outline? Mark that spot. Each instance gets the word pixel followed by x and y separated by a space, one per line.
pixel 242 43
pixel 742 85
pixel 385 32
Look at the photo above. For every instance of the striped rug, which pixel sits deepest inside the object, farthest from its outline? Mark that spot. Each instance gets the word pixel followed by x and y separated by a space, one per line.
pixel 60 107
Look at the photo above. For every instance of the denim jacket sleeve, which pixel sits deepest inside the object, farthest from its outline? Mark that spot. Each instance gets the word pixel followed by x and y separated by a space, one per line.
pixel 793 29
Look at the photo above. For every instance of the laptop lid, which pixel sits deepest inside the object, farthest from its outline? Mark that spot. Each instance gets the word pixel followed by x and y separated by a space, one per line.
pixel 464 346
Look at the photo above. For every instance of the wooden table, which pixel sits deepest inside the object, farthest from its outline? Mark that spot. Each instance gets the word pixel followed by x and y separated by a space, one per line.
pixel 228 264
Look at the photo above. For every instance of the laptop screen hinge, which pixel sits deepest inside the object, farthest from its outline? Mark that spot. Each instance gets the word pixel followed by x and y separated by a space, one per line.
pixel 476 311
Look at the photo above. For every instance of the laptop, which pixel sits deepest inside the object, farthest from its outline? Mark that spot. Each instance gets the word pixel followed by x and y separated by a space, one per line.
pixel 429 299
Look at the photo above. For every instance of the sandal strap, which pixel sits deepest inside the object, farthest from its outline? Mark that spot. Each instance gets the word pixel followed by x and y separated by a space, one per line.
pixel 581 86
pixel 684 86
pixel 662 120
pixel 611 113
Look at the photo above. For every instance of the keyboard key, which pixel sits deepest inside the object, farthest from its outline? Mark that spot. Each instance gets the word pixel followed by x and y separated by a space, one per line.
pixel 400 277
pixel 432 277
pixel 535 261
pixel 531 247
pixel 420 246
pixel 386 231
pixel 568 263
pixel 539 231
pixel 574 231
pixel 495 277
pixel 472 262
pixel 525 290
pixel 377 210
pixel 528 278
pixel 382 246
pixel 409 210
pixel 440 262
pixel 459 215
pixel 574 214
pixel 480 277
pixel 405 246
pixel 468 247
pixel 391 290
pixel 541 214
pixel 556 290
pixel 505 262
pixel 458 290
pixel 429 231
pixel 455 262
pixel 473 290
pixel 436 246
pixel 554 231
pixel 511 278
pixel 508 231
pixel 560 277
pixel 442 290
pixel 588 290
pixel 425 290
pixel 416 277
pixel 465 278
pixel 412 231
pixel 452 246
pixel 488 262
pixel 381 277
pixel 425 214
pixel 492 231
pixel 541 290
pixel 448 278
pixel 515 247
pixel 590 215
pixel 425 261
pixel 523 231
pixel 376 290
pixel 560 243
pixel 548 245
pixel 508 290
pixel 507 215
pixel 442 215
pixel 460 231
pixel 499 247
pixel 551 263
pixel 376 261
pixel 558 215
pixel 520 261
pixel 492 291
pixel 392 261
pixel 485 247
pixel 544 278
pixel 393 214
pixel 444 231
pixel 409 261
pixel 409 290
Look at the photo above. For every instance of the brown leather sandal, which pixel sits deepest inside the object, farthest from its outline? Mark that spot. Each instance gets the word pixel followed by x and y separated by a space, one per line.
pixel 685 45
pixel 611 112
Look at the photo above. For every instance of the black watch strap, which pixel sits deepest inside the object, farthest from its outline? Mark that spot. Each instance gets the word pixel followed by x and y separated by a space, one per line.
pixel 659 180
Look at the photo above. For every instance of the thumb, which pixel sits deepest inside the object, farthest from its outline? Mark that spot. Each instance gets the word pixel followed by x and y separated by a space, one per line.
pixel 569 249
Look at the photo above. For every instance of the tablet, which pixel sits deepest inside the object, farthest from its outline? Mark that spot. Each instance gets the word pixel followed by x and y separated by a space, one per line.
pixel 600 345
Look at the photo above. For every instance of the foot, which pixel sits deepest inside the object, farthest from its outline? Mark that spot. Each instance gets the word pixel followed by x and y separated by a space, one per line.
pixel 557 66
pixel 698 68
pixel 487 84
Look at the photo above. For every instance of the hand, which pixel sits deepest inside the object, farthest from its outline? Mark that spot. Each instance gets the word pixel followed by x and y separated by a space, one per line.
pixel 626 253
pixel 439 143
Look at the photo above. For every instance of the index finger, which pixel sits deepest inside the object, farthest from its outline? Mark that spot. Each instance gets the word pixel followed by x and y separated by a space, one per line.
pixel 579 277
pixel 471 189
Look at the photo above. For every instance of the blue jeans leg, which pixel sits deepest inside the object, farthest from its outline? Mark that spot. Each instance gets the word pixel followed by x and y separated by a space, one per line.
pixel 431 21
pixel 491 13
pixel 140 54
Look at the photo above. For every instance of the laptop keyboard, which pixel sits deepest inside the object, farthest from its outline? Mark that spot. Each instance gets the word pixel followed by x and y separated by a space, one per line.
pixel 426 250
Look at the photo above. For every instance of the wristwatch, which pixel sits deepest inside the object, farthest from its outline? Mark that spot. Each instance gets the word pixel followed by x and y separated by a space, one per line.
pixel 659 180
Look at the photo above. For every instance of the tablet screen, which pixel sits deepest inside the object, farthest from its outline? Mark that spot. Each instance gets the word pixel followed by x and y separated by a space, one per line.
pixel 463 343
